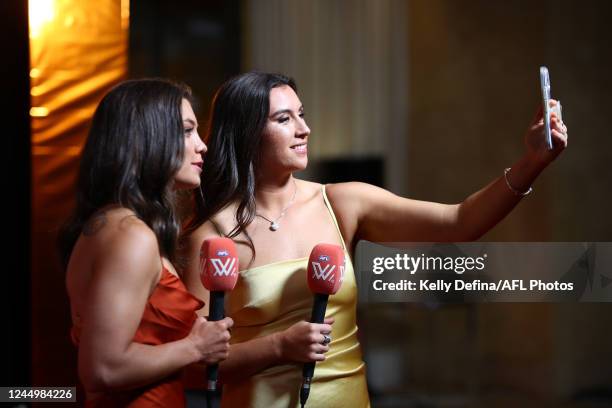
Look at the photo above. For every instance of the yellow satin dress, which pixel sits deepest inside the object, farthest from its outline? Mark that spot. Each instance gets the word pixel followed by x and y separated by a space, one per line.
pixel 270 298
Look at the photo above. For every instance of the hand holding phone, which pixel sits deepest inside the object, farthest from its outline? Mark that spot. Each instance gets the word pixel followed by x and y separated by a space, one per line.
pixel 545 89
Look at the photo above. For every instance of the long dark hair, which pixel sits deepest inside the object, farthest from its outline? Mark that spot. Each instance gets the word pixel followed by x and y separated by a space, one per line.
pixel 134 148
pixel 238 116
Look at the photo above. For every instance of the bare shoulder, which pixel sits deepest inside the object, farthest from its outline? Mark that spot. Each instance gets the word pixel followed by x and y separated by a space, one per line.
pixel 116 252
pixel 350 194
pixel 356 193
pixel 207 230
pixel 119 237
pixel 123 226
pixel 347 190
pixel 308 190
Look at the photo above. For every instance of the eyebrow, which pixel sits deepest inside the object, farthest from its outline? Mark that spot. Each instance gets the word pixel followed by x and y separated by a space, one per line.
pixel 279 112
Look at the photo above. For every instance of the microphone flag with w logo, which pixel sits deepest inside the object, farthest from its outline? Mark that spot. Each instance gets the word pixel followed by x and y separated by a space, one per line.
pixel 219 264
pixel 326 269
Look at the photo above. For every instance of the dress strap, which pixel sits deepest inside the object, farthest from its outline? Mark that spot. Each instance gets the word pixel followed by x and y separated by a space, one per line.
pixel 333 216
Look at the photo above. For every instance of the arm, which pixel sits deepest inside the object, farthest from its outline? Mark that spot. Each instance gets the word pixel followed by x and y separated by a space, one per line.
pixel 122 276
pixel 368 212
pixel 299 343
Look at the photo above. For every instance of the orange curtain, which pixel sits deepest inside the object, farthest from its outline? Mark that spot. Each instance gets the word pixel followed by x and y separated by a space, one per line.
pixel 78 51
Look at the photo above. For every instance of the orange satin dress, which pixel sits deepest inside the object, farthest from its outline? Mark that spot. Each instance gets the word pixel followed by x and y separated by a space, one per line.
pixel 168 316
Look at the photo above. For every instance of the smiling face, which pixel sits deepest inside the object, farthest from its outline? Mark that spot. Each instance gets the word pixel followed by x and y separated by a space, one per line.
pixel 188 176
pixel 284 144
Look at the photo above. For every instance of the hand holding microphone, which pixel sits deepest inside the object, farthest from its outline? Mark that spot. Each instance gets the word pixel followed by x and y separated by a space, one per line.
pixel 219 274
pixel 304 342
pixel 211 339
pixel 326 267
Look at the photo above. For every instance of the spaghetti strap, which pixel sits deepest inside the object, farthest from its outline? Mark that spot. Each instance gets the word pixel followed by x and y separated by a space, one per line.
pixel 333 216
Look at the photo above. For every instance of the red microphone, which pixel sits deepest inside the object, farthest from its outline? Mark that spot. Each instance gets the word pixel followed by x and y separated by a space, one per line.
pixel 326 267
pixel 219 274
pixel 219 266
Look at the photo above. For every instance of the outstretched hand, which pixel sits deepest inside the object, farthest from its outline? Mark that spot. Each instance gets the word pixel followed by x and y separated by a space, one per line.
pixel 535 138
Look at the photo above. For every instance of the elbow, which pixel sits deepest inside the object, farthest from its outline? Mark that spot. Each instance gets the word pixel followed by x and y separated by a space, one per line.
pixel 466 228
pixel 97 377
pixel 467 234
pixel 93 381
pixel 474 236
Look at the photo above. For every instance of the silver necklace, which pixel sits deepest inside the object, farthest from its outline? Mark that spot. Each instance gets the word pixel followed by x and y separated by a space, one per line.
pixel 274 224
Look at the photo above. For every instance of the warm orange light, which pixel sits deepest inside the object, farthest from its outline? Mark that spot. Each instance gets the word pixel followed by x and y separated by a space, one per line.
pixel 38 111
pixel 41 13
pixel 125 14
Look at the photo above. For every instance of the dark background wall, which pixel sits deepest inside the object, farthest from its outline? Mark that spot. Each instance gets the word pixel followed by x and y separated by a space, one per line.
pixel 15 354
pixel 195 42
pixel 475 86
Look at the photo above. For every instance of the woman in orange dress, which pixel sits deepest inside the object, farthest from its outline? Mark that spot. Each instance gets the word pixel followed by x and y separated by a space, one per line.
pixel 134 322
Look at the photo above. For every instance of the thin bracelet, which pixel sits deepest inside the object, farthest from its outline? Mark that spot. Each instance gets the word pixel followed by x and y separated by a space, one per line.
pixel 514 190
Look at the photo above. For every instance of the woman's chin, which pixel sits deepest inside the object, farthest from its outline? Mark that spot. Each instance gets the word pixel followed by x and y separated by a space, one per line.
pixel 301 164
pixel 186 185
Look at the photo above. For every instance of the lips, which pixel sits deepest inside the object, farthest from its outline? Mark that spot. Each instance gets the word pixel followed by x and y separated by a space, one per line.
pixel 300 148
pixel 198 164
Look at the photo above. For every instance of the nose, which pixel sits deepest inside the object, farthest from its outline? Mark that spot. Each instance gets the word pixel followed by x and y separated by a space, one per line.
pixel 200 145
pixel 302 129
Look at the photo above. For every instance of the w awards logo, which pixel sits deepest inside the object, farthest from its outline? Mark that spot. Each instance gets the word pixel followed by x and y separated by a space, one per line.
pixel 221 264
pixel 325 271
pixel 326 266
pixel 223 267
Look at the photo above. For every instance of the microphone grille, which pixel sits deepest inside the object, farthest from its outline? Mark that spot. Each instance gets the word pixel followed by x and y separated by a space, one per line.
pixel 219 264
pixel 326 266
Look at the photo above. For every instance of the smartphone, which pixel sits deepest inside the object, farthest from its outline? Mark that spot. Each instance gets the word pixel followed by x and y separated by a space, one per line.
pixel 545 87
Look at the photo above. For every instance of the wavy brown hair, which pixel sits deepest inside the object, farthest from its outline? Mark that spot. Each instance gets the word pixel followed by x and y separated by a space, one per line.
pixel 134 148
pixel 238 116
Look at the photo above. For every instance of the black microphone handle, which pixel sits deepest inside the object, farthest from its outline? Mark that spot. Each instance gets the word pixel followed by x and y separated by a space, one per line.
pixel 216 309
pixel 216 312
pixel 318 316
pixel 318 308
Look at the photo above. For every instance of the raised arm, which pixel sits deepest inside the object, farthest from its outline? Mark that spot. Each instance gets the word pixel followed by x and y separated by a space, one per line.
pixel 297 344
pixel 123 276
pixel 374 214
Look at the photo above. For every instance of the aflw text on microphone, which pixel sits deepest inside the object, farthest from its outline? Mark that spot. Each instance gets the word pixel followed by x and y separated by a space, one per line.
pixel 484 272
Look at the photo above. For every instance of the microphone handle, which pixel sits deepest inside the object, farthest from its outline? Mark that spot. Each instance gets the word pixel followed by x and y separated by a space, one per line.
pixel 216 309
pixel 318 316
pixel 216 312
pixel 318 308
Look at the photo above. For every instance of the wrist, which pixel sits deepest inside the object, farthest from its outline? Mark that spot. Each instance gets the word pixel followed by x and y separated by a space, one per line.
pixel 192 351
pixel 277 346
pixel 525 171
pixel 520 193
pixel 535 161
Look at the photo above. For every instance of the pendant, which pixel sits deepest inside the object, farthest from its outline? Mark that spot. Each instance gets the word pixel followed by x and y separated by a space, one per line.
pixel 274 226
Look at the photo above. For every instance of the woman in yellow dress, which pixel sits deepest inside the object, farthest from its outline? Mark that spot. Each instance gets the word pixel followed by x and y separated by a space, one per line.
pixel 257 139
